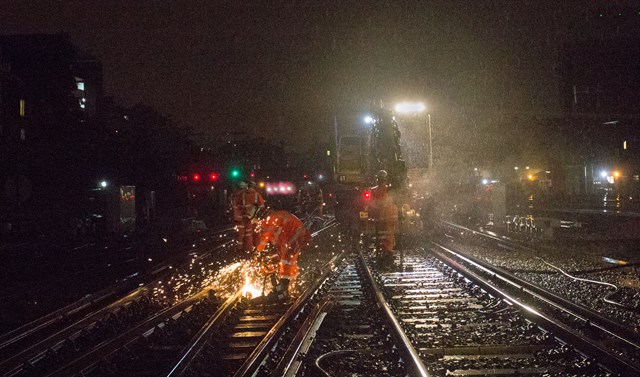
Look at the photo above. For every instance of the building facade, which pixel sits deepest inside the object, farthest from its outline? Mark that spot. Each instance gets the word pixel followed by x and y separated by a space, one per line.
pixel 50 92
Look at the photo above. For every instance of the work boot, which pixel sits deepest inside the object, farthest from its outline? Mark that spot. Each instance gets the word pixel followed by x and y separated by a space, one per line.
pixel 388 262
pixel 379 260
pixel 282 290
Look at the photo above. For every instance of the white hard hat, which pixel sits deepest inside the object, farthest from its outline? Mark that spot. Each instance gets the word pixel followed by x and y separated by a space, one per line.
pixel 382 174
pixel 242 184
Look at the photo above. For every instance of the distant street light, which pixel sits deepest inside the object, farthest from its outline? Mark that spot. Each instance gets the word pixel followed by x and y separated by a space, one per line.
pixel 368 119
pixel 415 108
pixel 103 184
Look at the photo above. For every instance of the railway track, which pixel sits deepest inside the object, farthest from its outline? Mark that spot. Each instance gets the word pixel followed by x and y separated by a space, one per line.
pixel 615 328
pixel 455 320
pixel 40 346
pixel 438 315
pixel 142 333
pixel 479 326
pixel 260 338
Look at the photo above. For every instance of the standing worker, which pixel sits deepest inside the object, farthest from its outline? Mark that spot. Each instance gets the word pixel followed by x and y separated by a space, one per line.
pixel 282 236
pixel 245 203
pixel 385 216
pixel 255 204
pixel 319 201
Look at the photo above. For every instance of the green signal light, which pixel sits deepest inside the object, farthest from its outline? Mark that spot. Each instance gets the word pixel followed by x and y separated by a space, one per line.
pixel 235 173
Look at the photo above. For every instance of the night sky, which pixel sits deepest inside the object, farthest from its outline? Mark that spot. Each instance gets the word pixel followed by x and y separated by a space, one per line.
pixel 285 68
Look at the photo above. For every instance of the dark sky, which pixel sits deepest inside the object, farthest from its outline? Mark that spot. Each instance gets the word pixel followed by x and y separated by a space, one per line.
pixel 284 68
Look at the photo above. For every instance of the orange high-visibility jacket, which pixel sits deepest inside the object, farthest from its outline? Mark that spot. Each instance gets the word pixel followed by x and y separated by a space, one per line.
pixel 288 235
pixel 245 203
pixel 382 208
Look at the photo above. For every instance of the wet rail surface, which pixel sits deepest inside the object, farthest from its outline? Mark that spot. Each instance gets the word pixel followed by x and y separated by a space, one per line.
pixel 587 299
pixel 143 333
pixel 38 348
pixel 52 273
pixel 353 333
pixel 348 319
pixel 462 328
pixel 456 326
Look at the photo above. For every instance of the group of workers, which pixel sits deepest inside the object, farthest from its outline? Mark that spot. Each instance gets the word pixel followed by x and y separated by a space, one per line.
pixel 275 237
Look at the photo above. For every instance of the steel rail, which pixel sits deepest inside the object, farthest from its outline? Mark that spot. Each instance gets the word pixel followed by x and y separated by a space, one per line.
pixel 57 316
pixel 67 312
pixel 195 345
pixel 566 305
pixel 191 351
pixel 94 356
pixel 289 364
pixel 609 360
pixel 14 362
pixel 261 352
pixel 409 354
pixel 596 319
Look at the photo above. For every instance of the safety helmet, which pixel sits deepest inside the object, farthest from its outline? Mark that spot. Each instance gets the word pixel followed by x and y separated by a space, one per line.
pixel 382 174
pixel 242 184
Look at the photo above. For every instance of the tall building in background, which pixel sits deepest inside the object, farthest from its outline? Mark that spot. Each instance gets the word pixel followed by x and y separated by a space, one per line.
pixel 600 87
pixel 50 92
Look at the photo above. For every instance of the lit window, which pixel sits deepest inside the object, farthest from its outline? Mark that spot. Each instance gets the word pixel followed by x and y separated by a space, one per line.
pixel 624 145
pixel 22 108
pixel 80 85
pixel 23 134
pixel 328 153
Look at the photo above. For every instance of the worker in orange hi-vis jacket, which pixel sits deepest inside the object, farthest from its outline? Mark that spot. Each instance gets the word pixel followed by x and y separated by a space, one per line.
pixel 385 215
pixel 245 203
pixel 254 205
pixel 282 236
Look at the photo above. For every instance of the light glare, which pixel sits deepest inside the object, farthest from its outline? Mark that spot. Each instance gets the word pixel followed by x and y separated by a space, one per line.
pixel 410 107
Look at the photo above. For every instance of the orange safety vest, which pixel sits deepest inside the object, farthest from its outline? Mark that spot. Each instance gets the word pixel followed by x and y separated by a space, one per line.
pixel 288 235
pixel 244 202
pixel 382 207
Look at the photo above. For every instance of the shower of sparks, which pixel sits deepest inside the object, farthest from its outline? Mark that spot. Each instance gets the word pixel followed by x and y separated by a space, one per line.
pixel 243 274
pixel 250 290
pixel 225 278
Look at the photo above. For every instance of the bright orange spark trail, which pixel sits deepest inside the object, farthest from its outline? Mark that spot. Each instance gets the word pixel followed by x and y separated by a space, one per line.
pixel 243 274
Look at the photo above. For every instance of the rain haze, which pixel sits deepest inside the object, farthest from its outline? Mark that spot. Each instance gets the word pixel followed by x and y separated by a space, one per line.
pixel 287 68
pixel 301 188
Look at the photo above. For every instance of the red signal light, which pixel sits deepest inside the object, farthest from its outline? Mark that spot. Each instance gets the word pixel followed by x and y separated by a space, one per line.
pixel 252 174
pixel 367 195
pixel 213 176
pixel 196 177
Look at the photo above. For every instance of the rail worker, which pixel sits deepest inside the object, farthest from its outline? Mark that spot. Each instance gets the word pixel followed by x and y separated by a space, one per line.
pixel 245 204
pixel 254 206
pixel 282 236
pixel 385 216
pixel 319 199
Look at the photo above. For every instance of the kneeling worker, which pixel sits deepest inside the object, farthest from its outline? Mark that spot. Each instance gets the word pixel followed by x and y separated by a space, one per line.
pixel 282 236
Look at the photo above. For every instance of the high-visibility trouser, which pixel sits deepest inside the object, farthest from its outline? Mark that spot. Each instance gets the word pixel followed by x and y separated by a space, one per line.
pixel 288 269
pixel 386 236
pixel 244 236
pixel 249 235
